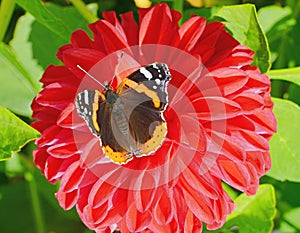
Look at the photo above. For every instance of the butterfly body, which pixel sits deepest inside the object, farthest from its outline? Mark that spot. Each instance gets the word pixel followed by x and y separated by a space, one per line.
pixel 129 121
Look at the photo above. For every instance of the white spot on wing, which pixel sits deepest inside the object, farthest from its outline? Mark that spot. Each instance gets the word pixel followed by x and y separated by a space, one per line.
pixel 146 73
pixel 157 81
pixel 154 87
pixel 154 65
pixel 86 97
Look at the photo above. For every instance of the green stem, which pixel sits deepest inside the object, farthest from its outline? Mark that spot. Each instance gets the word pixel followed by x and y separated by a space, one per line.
pixel 84 11
pixel 178 5
pixel 6 10
pixel 38 214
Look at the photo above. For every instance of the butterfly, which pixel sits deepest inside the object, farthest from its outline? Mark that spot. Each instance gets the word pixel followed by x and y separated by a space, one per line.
pixel 129 121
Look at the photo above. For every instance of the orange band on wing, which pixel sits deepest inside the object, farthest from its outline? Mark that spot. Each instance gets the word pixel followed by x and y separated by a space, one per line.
pixel 156 140
pixel 141 88
pixel 95 109
pixel 116 156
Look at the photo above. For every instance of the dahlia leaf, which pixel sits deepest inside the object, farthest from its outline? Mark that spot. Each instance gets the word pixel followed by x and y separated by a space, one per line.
pixel 23 47
pixel 242 22
pixel 290 75
pixel 14 133
pixel 275 19
pixel 62 21
pixel 285 150
pixel 259 209
pixel 32 34
pixel 17 87
pixel 291 221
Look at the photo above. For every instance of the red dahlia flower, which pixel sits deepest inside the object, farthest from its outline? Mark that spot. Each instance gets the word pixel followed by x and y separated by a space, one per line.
pixel 219 121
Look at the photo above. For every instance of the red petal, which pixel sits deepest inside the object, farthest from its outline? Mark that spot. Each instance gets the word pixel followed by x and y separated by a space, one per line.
pixel 159 26
pixel 192 224
pixel 190 32
pixel 163 211
pixel 80 39
pixel 137 221
pixel 131 28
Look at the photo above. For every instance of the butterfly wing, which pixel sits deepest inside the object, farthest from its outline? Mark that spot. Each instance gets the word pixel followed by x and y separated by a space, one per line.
pixel 97 112
pixel 87 105
pixel 151 80
pixel 145 97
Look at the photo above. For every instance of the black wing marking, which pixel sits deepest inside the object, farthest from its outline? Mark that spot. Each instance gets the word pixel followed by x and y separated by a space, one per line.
pixel 154 77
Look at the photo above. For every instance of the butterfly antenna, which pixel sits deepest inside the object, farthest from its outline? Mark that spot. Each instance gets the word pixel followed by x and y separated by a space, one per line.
pixel 91 76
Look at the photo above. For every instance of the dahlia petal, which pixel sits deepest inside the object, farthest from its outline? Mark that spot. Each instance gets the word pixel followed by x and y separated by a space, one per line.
pixel 63 150
pixel 197 203
pixel 254 180
pixel 190 32
pixel 98 214
pixel 144 191
pixel 192 133
pixel 111 17
pixel 135 220
pixel 40 157
pixel 55 168
pixel 131 28
pixel 113 38
pixel 53 135
pixel 264 121
pixel 58 74
pixel 100 193
pixel 238 122
pixel 69 118
pixel 111 218
pixel 163 211
pixel 206 44
pixel 48 136
pixel 156 24
pixel 67 200
pixel 249 102
pixel 57 95
pixel 169 228
pixel 88 178
pixel 80 39
pixel 202 185
pixel 216 108
pixel 84 57
pixel 235 174
pixel 192 224
pixel 251 140
pixel 229 80
pixel 71 178
pixel 91 152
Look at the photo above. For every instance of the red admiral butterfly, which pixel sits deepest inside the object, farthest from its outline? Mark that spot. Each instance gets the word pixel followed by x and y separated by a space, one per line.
pixel 130 121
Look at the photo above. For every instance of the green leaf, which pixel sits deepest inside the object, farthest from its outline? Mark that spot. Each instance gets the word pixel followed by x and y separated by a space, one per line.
pixel 253 213
pixel 17 87
pixel 14 133
pixel 242 22
pixel 204 12
pixel 22 47
pixel 285 150
pixel 275 18
pixel 45 44
pixel 62 21
pixel 290 221
pixel 290 75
